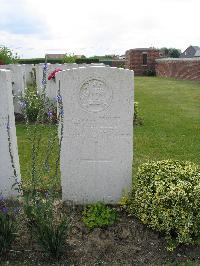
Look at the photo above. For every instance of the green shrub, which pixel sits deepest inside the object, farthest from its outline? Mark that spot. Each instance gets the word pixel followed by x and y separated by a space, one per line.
pixel 86 61
pixel 33 105
pixel 107 62
pixel 7 56
pixel 68 58
pixel 40 60
pixel 58 60
pixel 166 197
pixel 150 73
pixel 98 215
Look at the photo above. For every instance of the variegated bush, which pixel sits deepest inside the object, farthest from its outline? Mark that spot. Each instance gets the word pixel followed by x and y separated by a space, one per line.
pixel 166 197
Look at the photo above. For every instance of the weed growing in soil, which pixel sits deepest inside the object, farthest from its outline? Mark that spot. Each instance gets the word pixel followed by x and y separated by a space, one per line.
pixel 48 225
pixel 99 215
pixel 8 225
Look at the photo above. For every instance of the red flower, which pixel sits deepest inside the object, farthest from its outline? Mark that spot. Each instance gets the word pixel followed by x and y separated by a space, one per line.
pixel 52 75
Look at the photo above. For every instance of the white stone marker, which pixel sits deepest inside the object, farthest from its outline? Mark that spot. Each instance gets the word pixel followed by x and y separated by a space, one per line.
pixel 51 86
pixel 29 73
pixel 8 148
pixel 97 145
pixel 18 83
pixel 39 76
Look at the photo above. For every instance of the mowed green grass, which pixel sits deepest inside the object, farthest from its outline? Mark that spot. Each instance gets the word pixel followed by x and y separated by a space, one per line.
pixel 170 110
pixel 47 155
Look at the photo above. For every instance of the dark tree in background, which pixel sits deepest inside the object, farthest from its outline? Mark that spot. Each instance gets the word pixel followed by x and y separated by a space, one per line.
pixel 170 52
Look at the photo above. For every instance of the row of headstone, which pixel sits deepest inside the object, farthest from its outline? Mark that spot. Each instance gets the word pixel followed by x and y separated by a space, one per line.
pixel 97 136
pixel 29 74
pixel 52 86
pixel 18 80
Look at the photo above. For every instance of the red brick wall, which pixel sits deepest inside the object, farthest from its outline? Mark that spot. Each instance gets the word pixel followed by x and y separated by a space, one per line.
pixel 188 69
pixel 134 60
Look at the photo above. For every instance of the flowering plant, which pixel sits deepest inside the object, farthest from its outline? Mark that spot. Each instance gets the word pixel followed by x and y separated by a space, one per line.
pixel 8 225
pixel 31 103
pixel 52 75
pixel 47 224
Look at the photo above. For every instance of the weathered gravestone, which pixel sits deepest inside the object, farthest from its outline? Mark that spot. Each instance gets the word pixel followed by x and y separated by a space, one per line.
pixel 97 144
pixel 9 161
pixel 29 74
pixel 18 80
pixel 51 85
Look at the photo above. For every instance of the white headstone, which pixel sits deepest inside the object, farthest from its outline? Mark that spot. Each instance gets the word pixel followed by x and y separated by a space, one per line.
pixel 39 76
pixel 18 79
pixel 97 145
pixel 29 74
pixel 9 161
pixel 52 86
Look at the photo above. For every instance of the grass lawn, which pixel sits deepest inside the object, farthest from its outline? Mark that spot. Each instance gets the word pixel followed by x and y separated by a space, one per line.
pixel 170 110
pixel 46 162
pixel 171 120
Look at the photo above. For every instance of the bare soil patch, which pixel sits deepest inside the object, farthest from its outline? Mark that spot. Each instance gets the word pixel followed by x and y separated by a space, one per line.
pixel 128 242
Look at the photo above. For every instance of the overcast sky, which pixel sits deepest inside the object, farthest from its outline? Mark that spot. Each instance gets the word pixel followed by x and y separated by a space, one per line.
pixel 97 27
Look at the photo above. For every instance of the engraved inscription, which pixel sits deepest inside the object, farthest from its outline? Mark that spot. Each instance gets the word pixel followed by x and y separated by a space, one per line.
pixel 95 95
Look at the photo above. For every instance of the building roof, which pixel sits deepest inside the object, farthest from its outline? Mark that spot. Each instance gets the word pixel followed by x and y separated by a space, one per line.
pixel 143 49
pixel 190 52
pixel 196 48
pixel 197 54
pixel 55 56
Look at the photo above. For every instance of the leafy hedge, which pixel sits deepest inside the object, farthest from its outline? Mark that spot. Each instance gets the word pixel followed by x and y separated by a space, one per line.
pixel 86 60
pixel 166 197
pixel 54 61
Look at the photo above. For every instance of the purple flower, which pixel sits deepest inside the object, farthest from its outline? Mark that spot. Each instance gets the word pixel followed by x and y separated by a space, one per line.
pixel 22 104
pixel 62 112
pixel 45 66
pixel 2 198
pixel 16 210
pixel 4 210
pixel 50 114
pixel 59 98
pixel 44 82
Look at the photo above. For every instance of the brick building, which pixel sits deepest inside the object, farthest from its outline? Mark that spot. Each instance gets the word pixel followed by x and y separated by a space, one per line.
pixel 142 60
pixel 55 56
